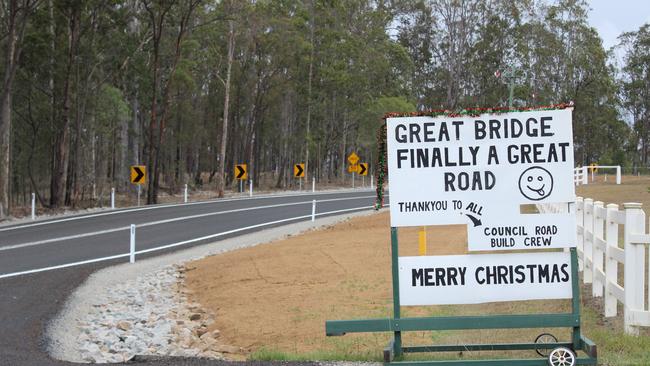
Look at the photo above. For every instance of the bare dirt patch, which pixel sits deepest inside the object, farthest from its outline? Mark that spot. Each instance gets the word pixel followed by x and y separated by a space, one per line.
pixel 278 296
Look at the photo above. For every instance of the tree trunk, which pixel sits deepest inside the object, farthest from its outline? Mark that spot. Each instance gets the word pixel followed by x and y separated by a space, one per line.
pixel 15 32
pixel 61 152
pixel 309 86
pixel 226 103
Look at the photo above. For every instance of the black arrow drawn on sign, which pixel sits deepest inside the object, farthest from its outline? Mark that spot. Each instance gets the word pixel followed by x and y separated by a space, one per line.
pixel 241 171
pixel 475 221
pixel 300 169
pixel 139 175
pixel 363 169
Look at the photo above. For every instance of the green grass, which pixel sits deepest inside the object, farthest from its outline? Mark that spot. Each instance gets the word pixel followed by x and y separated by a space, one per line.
pixel 615 348
pixel 268 354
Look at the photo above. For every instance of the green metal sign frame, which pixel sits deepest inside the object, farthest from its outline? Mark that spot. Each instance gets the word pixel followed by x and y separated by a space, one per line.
pixel 394 352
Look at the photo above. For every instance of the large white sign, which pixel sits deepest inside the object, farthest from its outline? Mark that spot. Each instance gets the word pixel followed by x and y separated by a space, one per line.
pixel 479 171
pixel 480 278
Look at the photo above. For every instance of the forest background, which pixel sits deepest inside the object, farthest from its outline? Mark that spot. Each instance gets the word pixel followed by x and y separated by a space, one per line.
pixel 189 88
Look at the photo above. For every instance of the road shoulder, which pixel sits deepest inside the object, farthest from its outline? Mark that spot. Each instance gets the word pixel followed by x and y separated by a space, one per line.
pixel 64 330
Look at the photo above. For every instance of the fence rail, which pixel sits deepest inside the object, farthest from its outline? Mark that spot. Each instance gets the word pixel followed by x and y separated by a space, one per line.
pixel 599 229
pixel 581 174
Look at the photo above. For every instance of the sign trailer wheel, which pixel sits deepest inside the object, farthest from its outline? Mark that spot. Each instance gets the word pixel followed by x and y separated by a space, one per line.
pixel 562 356
pixel 544 338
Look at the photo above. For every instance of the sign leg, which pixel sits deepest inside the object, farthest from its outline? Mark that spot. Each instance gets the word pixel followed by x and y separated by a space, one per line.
pixel 575 301
pixel 394 250
pixel 422 241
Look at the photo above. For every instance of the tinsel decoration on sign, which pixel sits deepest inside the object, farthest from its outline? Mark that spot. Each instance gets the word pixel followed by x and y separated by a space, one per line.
pixel 382 166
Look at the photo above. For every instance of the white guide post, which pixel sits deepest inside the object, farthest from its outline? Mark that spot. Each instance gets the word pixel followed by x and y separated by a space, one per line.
pixel 112 198
pixel 250 188
pixel 372 182
pixel 313 184
pixel 313 210
pixel 185 194
pixel 132 245
pixel 33 206
pixel 618 174
pixel 611 264
pixel 634 282
pixel 139 191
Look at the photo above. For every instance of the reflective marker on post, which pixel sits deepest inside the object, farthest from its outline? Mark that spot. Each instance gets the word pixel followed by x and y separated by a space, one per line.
pixel 132 247
pixel 313 210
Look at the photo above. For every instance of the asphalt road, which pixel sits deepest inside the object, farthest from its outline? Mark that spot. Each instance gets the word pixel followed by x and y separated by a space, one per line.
pixel 29 301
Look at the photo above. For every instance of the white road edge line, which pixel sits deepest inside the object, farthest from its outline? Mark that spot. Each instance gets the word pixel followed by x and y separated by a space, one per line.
pixel 166 221
pixel 75 264
pixel 154 207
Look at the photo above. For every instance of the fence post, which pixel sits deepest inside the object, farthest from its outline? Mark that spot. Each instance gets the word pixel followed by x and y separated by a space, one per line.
pixel 634 265
pixel 588 239
pixel 313 210
pixel 580 236
pixel 113 198
pixel 132 246
pixel 611 265
pixel 33 206
pixel 597 253
pixel 585 175
pixel 185 194
pixel 618 174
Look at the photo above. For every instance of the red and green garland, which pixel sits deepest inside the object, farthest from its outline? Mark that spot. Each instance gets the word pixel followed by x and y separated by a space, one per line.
pixel 382 168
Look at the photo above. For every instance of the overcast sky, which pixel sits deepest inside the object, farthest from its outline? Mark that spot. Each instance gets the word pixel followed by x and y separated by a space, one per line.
pixel 613 17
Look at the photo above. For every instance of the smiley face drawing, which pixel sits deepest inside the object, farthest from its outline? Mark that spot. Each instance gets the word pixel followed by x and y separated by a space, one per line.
pixel 536 183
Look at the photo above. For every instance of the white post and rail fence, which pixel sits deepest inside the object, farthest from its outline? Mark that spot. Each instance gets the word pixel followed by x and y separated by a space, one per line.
pixel 601 229
pixel 581 174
